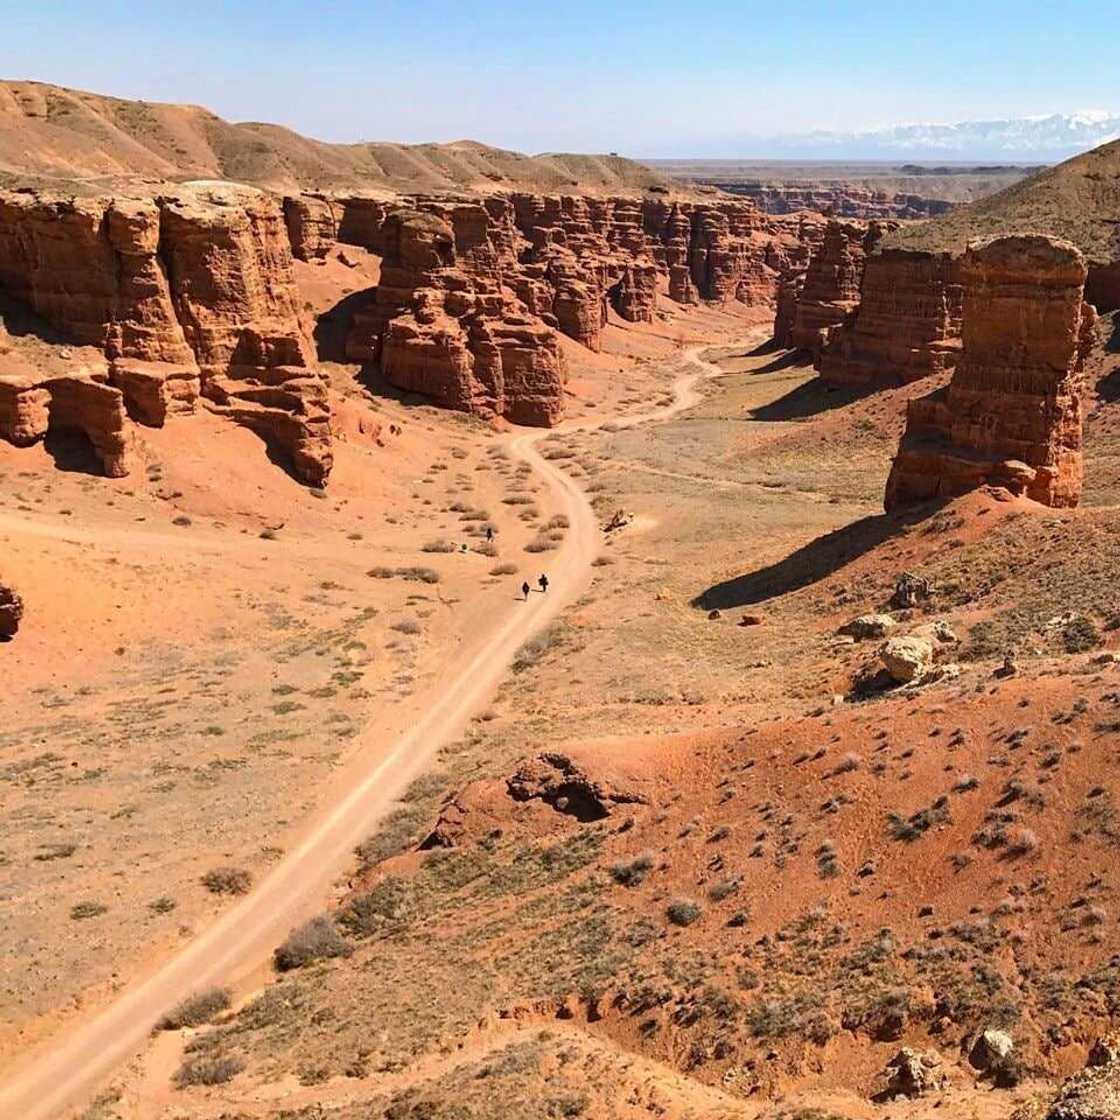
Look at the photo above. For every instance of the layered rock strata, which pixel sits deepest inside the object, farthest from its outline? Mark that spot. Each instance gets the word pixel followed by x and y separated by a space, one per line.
pixel 830 291
pixel 906 326
pixel 1011 415
pixel 433 327
pixel 186 294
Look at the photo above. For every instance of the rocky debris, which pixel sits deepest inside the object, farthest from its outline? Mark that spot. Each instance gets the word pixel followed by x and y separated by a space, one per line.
pixel 1105 1050
pixel 913 1073
pixel 906 659
pixel 910 590
pixel 906 326
pixel 565 784
pixel 869 626
pixel 78 402
pixel 11 612
pixel 1011 415
pixel 830 291
pixel 1093 1094
pixel 938 632
pixel 188 294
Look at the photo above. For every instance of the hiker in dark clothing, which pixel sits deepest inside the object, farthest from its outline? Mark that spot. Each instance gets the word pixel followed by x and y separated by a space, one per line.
pixel 525 589
pixel 489 532
pixel 543 581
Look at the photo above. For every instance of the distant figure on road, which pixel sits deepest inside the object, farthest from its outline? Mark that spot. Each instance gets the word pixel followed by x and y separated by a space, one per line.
pixel 489 532
pixel 543 581
pixel 525 589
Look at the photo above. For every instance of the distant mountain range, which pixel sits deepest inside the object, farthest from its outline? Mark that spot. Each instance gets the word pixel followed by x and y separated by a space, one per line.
pixel 1027 139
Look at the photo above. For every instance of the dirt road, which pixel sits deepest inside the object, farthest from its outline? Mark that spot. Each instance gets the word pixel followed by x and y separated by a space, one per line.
pixel 240 942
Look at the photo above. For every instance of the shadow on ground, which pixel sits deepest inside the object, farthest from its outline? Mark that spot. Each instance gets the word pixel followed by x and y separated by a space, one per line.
pixel 806 400
pixel 811 563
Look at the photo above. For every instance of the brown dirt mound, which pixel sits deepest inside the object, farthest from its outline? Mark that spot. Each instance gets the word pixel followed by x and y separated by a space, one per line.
pixel 50 133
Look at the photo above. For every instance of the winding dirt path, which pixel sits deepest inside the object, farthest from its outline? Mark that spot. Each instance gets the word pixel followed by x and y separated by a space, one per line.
pixel 239 943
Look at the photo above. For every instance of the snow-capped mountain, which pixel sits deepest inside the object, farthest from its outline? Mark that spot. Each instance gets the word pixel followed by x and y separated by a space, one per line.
pixel 1028 139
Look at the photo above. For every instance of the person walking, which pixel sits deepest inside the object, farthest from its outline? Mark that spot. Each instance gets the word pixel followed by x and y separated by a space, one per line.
pixel 489 532
pixel 543 581
pixel 525 590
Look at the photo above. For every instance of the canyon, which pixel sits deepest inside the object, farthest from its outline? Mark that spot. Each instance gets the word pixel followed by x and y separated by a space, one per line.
pixel 786 792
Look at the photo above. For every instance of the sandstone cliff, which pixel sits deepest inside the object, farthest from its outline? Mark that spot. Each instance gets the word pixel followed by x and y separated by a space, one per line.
pixel 1011 416
pixel 830 290
pixel 906 326
pixel 186 294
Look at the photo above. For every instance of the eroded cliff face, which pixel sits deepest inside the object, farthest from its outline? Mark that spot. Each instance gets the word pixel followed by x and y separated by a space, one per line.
pixel 906 326
pixel 1011 415
pixel 186 294
pixel 830 291
pixel 847 201
pixel 439 324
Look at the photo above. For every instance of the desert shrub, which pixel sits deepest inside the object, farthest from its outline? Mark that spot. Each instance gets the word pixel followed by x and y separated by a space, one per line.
pixel 725 888
pixel 683 912
pixel 227 880
pixel 182 521
pixel 630 873
pixel 205 1070
pixel 518 500
pixel 503 570
pixel 196 1009
pixel 316 940
pixel 540 543
pixel 419 575
pixel 407 626
pixel 82 910
pixel 486 548
pixel 162 905
pixel 848 763
pixel 1080 635
pixel 381 572
pixel 439 545
pixel 602 562
pixel 535 648
pixel 557 522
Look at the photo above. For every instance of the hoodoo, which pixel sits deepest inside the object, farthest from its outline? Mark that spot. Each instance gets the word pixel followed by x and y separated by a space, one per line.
pixel 1011 416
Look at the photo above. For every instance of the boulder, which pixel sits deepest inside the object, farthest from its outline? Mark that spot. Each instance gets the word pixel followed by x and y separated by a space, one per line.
pixel 11 612
pixel 991 1049
pixel 913 1073
pixel 570 787
pixel 869 626
pixel 906 659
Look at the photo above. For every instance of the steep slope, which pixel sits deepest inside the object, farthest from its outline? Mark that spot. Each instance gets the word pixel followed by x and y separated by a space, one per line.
pixel 1078 200
pixel 49 132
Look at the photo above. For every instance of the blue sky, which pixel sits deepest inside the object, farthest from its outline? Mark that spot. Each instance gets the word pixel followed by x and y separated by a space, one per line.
pixel 646 79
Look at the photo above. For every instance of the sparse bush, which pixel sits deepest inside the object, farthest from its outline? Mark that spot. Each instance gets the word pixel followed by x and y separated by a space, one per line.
pixel 406 626
pixel 683 912
pixel 381 572
pixel 205 1070
pixel 631 873
pixel 535 648
pixel 503 570
pixel 557 522
pixel 1080 635
pixel 182 521
pixel 162 905
pixel 82 910
pixel 725 888
pixel 439 545
pixel 316 940
pixel 227 880
pixel 196 1009
pixel 540 543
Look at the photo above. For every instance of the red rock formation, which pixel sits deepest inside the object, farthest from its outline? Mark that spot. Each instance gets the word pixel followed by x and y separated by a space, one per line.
pixel 1011 416
pixel 907 325
pixel 312 222
pixel 84 403
pixel 11 612
pixel 434 328
pixel 831 288
pixel 839 201
pixel 188 293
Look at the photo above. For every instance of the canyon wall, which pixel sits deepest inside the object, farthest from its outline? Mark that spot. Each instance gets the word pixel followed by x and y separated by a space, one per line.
pixel 830 290
pixel 1011 415
pixel 189 294
pixel 906 326
pixel 837 201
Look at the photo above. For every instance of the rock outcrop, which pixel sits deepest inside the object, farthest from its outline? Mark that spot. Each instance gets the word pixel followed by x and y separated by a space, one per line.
pixel 79 402
pixel 906 326
pixel 186 294
pixel 830 290
pixel 1011 415
pixel 839 201
pixel 456 335
pixel 913 1073
pixel 569 787
pixel 11 612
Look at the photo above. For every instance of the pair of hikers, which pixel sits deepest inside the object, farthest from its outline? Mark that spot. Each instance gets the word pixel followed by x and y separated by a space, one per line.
pixel 542 583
